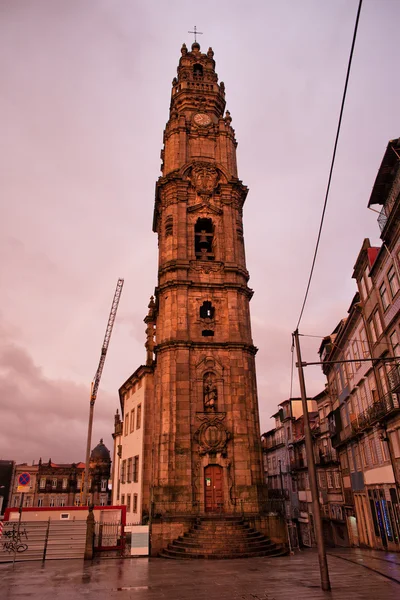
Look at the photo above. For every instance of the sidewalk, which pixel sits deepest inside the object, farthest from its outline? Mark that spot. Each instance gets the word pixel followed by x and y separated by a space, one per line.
pixel 287 578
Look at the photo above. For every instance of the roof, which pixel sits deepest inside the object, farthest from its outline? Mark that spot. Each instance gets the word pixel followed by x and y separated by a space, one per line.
pixel 100 453
pixel 386 173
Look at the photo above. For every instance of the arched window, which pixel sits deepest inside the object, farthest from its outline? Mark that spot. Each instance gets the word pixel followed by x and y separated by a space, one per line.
pixel 207 310
pixel 197 71
pixel 203 239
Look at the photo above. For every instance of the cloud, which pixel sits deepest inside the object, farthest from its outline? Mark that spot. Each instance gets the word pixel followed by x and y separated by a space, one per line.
pixel 43 417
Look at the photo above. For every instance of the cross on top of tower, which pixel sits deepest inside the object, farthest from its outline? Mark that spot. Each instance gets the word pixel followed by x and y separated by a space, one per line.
pixel 195 33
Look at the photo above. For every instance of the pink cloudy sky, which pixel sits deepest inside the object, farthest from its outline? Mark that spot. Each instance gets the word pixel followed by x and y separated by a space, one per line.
pixel 84 99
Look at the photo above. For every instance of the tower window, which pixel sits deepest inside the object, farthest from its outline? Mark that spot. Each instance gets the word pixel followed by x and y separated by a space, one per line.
pixel 203 242
pixel 197 70
pixel 207 310
pixel 207 332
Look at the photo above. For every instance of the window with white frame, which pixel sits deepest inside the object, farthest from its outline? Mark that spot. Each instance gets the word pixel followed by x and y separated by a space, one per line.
pixel 336 477
pixel 344 463
pixel 385 450
pixel 54 483
pixel 351 461
pixel 382 379
pixel 42 483
pixel 393 281
pixel 40 501
pixel 129 471
pixel 395 439
pixel 65 483
pixel 52 501
pixel 372 449
pixel 372 330
pixel 364 343
pixel 128 503
pixel 357 458
pixel 339 381
pixel 378 323
pixel 363 396
pixel 329 479
pixel 135 502
pixel 348 367
pixel 363 454
pixel 356 355
pixel 103 485
pixel 126 426
pixel 77 500
pixel 132 420
pixel 384 296
pixel 363 289
pixel 368 282
pixel 372 387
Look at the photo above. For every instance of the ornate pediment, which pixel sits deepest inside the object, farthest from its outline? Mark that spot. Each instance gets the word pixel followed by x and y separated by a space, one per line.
pixel 205 207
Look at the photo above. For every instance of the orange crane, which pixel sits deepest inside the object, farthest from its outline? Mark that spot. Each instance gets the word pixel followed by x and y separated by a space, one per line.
pixel 96 381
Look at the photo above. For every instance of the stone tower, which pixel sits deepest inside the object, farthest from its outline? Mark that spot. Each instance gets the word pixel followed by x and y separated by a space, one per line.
pixel 202 450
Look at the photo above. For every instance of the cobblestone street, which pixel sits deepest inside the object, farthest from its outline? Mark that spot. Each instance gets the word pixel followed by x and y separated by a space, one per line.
pixel 287 578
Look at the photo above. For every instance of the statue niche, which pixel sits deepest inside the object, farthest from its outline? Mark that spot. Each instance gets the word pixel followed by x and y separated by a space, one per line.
pixel 210 392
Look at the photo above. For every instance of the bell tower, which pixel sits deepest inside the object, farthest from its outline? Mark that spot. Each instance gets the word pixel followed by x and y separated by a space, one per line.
pixel 202 444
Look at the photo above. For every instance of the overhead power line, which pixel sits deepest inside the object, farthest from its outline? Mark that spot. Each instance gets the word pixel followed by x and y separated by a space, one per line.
pixel 332 164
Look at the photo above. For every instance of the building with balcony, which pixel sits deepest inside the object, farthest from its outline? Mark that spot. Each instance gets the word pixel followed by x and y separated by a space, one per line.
pixel 286 471
pixel 57 485
pixel 364 388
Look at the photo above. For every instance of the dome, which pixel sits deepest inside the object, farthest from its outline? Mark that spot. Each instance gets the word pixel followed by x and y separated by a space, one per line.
pixel 100 453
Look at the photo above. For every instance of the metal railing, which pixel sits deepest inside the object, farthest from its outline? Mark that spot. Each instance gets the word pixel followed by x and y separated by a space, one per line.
pixel 298 463
pixel 394 378
pixel 40 540
pixel 373 413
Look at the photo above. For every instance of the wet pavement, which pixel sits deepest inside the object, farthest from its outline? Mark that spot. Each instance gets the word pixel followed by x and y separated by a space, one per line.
pixel 354 575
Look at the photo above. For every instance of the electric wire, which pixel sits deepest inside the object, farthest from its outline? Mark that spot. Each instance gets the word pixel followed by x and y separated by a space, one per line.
pixel 332 164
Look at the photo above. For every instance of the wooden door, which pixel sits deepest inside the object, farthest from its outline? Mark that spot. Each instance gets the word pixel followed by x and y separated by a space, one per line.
pixel 213 488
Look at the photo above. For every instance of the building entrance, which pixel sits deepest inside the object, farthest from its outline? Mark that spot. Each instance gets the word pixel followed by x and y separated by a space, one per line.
pixel 213 488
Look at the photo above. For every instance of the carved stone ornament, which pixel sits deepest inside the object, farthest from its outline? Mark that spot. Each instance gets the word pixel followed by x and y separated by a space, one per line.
pixel 206 267
pixel 212 435
pixel 204 178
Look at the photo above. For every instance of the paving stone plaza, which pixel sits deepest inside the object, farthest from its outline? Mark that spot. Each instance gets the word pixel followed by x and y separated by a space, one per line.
pixel 369 575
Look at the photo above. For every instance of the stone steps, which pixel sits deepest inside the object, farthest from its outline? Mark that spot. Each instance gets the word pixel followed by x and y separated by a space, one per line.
pixel 219 537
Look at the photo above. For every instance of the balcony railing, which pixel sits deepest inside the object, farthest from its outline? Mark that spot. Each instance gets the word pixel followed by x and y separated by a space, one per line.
pixel 326 457
pixel 278 494
pixel 376 411
pixel 394 378
pixel 274 442
pixel 298 463
pixel 382 219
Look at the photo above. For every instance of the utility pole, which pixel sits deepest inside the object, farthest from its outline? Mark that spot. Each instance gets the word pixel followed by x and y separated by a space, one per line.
pixel 312 474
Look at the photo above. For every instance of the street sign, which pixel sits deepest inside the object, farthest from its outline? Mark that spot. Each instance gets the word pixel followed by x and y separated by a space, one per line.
pixel 24 481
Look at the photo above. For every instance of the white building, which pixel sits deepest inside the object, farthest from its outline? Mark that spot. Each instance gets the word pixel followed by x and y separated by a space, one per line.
pixel 128 459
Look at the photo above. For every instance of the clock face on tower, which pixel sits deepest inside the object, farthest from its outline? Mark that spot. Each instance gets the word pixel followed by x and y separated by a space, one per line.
pixel 202 119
